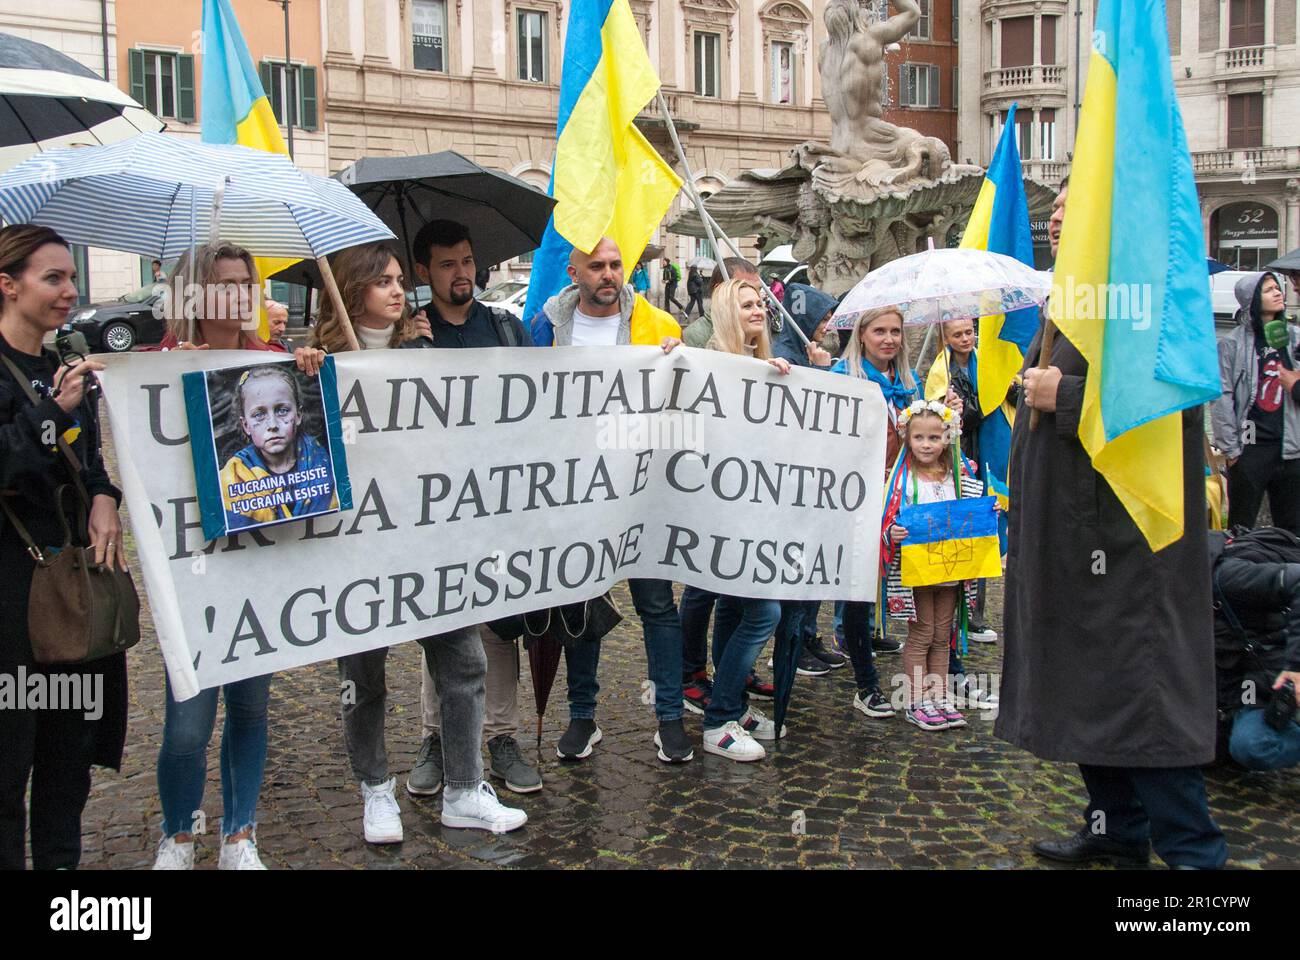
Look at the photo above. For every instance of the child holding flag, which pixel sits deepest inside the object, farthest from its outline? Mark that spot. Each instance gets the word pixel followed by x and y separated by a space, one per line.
pixel 925 473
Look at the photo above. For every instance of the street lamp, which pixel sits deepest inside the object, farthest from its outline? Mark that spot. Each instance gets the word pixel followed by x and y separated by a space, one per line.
pixel 290 100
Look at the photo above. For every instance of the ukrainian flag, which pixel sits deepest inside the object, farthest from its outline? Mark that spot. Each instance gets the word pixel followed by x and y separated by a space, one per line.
pixel 949 541
pixel 607 179
pixel 1133 230
pixel 234 108
pixel 1000 223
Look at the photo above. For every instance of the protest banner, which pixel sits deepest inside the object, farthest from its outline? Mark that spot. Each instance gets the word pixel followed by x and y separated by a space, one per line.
pixel 490 482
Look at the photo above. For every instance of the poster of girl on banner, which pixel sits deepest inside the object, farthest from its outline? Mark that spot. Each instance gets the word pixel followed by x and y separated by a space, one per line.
pixel 267 446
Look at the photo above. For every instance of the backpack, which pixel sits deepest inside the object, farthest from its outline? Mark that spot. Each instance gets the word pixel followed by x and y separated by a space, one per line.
pixel 1263 545
pixel 506 332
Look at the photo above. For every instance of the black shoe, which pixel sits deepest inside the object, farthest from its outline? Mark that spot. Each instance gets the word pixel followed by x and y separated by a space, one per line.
pixel 1085 846
pixel 578 740
pixel 674 746
pixel 829 657
pixel 809 666
pixel 886 645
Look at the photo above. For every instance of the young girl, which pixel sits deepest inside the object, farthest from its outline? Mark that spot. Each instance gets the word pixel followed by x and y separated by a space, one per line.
pixel 924 474
pixel 270 414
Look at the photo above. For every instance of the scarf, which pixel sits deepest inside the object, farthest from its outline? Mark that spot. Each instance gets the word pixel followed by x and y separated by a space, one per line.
pixel 896 394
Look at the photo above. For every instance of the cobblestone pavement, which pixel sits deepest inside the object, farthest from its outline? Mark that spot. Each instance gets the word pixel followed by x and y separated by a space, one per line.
pixel 869 793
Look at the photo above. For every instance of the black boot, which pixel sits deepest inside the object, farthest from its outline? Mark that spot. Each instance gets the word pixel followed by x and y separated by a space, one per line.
pixel 1085 846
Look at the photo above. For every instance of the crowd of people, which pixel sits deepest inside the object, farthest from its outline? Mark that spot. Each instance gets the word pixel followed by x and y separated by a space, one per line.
pixel 1118 680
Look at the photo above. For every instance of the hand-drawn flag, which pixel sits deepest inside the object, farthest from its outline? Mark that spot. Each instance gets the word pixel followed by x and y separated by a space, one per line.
pixel 949 541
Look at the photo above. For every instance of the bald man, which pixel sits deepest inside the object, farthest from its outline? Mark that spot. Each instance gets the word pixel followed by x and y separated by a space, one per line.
pixel 599 310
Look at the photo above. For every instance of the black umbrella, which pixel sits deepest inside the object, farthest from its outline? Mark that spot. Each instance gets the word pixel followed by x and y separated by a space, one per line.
pixel 785 662
pixel 49 100
pixel 1290 261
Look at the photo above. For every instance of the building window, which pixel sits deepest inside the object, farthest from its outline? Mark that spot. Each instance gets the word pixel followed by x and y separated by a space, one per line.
pixel 1246 23
pixel 708 64
pixel 782 72
pixel 298 87
pixel 956 17
pixel 1245 120
pixel 922 29
pixel 531 27
pixel 429 35
pixel 1047 134
pixel 1047 53
pixel 164 82
pixel 918 85
pixel 1017 42
pixel 1024 132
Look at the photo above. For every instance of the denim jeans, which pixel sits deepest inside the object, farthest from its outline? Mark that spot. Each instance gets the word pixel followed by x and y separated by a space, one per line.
pixel 695 611
pixel 1165 805
pixel 741 627
pixel 1257 746
pixel 859 620
pixel 662 631
pixel 458 666
pixel 183 759
pixel 839 620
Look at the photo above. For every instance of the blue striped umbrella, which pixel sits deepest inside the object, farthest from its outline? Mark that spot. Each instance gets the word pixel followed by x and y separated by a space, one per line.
pixel 153 195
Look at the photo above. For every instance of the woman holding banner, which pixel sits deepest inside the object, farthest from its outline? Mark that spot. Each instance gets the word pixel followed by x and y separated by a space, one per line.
pixel 876 351
pixel 43 399
pixel 742 625
pixel 373 288
pixel 221 301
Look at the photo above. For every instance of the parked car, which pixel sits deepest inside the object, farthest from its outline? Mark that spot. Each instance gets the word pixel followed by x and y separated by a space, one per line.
pixel 132 320
pixel 508 295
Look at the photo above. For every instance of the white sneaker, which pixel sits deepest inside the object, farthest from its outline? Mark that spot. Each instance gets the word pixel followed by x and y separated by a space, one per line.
pixel 731 741
pixel 983 636
pixel 758 726
pixel 240 855
pixel 383 821
pixel 479 809
pixel 174 856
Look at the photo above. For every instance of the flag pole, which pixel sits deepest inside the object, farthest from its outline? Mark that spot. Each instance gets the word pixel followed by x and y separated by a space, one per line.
pixel 1044 361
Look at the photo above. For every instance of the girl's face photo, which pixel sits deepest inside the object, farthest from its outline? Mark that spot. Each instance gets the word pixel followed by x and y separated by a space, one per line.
pixel 271 418
pixel 925 439
pixel 753 315
pixel 385 297
pixel 882 337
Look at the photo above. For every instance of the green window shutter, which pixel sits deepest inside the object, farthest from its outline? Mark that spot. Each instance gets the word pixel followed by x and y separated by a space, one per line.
pixel 264 71
pixel 185 87
pixel 136 60
pixel 307 80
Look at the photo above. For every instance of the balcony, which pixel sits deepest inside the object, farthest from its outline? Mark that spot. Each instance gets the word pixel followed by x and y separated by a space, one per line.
pixel 1044 171
pixel 1249 61
pixel 1241 162
pixel 1014 79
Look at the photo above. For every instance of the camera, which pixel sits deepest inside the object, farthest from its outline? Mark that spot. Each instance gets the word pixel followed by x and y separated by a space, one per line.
pixel 71 346
pixel 1281 707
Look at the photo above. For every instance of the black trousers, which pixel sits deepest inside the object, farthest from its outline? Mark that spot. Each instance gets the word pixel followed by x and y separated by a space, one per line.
pixel 52 748
pixel 1165 805
pixel 1259 471
pixel 670 296
pixel 696 302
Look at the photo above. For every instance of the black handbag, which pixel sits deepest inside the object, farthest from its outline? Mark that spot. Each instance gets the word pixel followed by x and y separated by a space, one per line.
pixel 584 622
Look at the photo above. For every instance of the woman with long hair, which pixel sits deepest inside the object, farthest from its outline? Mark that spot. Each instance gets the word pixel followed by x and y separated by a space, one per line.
pixel 373 290
pixel 220 306
pixel 54 749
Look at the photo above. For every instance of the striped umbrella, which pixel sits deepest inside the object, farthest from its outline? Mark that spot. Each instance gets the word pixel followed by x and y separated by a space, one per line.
pixel 154 195
pixel 48 100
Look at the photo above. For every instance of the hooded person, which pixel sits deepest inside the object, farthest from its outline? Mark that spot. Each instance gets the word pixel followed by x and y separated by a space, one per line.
pixel 811 310
pixel 1256 420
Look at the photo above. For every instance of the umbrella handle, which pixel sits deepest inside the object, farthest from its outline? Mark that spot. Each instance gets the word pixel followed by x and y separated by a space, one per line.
pixel 1044 360
pixel 332 288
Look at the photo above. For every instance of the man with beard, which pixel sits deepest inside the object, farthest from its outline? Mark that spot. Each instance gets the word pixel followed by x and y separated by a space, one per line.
pixel 1109 658
pixel 599 310
pixel 445 261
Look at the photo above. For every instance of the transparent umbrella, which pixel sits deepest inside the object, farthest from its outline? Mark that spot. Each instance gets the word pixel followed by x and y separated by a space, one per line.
pixel 950 284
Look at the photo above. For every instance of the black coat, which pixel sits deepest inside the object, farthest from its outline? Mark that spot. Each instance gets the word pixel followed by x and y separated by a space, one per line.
pixel 1107 665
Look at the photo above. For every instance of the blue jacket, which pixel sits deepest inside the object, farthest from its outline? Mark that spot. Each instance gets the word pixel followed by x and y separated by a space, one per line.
pixel 808 306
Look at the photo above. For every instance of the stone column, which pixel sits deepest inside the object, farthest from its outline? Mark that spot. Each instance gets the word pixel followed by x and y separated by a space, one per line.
pixel 1036 56
pixel 485 29
pixel 338 41
pixel 1292 228
pixel 376 24
pixel 747 25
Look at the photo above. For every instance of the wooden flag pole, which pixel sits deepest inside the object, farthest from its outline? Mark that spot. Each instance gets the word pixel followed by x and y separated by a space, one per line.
pixel 1044 361
pixel 332 289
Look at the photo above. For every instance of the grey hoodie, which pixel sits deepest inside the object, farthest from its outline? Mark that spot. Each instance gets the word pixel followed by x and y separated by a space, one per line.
pixel 1239 376
pixel 559 310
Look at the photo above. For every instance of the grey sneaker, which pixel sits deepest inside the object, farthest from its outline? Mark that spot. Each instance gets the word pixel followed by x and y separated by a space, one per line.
pixel 425 778
pixel 508 765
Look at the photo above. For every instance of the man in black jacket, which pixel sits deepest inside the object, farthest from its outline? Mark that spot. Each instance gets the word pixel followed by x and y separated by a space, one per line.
pixel 1256 641
pixel 445 261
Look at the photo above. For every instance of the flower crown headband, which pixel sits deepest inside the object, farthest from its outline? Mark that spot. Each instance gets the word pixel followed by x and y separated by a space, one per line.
pixel 951 424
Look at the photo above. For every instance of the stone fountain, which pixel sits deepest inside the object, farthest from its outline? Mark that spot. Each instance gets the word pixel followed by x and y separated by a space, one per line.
pixel 877 191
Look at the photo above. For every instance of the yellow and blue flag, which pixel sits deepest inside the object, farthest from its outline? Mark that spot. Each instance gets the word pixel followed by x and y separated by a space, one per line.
pixel 1131 289
pixel 1000 223
pixel 608 181
pixel 234 107
pixel 949 541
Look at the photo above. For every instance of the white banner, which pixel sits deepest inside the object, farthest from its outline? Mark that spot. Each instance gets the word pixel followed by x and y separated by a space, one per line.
pixel 491 482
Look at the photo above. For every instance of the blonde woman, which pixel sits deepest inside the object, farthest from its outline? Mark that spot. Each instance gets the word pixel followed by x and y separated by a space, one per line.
pixel 374 291
pixel 223 302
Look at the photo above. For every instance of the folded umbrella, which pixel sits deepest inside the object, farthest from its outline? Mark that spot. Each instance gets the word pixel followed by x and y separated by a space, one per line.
pixel 48 100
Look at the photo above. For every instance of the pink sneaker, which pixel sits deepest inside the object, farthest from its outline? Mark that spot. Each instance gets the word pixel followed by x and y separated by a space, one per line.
pixel 950 713
pixel 926 716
